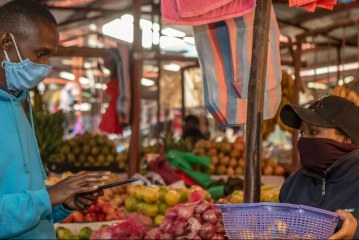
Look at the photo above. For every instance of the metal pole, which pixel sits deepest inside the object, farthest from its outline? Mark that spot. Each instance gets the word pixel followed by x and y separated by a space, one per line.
pixel 137 65
pixel 252 173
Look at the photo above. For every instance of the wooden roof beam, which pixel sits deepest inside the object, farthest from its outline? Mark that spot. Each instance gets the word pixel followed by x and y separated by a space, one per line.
pixel 327 29
pixel 337 40
pixel 85 9
pixel 102 52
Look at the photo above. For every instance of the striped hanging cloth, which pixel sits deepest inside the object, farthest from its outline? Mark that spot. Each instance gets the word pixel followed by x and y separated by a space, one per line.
pixel 224 50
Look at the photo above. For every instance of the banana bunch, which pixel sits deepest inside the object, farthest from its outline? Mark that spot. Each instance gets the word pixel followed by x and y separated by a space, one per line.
pixel 345 92
pixel 49 132
pixel 287 96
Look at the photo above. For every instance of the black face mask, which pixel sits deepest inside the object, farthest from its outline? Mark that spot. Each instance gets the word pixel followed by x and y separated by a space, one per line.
pixel 318 154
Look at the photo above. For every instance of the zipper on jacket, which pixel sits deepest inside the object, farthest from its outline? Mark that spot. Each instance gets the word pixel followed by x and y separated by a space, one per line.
pixel 323 187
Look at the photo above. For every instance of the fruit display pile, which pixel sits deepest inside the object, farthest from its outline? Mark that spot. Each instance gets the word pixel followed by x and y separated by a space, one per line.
pixel 153 201
pixel 196 220
pixel 116 195
pixel 134 227
pixel 89 150
pixel 49 144
pixel 65 233
pixel 345 92
pixel 269 193
pixel 270 166
pixel 99 211
pixel 226 158
pixel 230 185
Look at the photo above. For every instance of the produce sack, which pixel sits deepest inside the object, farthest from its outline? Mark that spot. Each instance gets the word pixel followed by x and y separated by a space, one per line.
pixel 162 167
pixel 225 50
pixel 183 161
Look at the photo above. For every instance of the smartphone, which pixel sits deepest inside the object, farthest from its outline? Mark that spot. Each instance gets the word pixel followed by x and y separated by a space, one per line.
pixel 114 184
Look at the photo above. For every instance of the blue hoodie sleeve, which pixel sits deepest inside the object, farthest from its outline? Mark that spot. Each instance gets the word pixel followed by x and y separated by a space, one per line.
pixel 60 212
pixel 20 212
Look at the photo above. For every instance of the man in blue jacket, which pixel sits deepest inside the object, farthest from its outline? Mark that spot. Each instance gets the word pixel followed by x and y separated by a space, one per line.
pixel 28 209
pixel 329 154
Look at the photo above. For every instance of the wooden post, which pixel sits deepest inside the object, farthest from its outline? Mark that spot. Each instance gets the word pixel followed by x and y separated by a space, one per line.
pixel 252 173
pixel 137 65
pixel 183 99
pixel 339 62
pixel 157 13
pixel 295 100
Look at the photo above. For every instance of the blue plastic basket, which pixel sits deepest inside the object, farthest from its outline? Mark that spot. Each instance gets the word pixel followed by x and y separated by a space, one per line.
pixel 277 221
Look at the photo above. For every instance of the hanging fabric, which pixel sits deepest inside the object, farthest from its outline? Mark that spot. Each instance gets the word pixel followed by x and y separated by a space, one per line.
pixel 225 50
pixel 311 5
pixel 109 120
pixel 198 12
pixel 124 100
pixel 121 57
pixel 117 115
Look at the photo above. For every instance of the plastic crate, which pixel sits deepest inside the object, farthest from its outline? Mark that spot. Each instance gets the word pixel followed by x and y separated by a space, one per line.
pixel 277 221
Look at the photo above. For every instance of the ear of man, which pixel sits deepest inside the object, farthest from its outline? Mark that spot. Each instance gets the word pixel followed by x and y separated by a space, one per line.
pixel 5 41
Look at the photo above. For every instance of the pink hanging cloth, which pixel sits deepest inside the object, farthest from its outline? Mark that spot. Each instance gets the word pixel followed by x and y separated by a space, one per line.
pixel 311 5
pixel 199 12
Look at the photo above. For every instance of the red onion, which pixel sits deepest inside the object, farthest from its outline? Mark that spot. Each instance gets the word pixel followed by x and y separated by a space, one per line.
pixel 202 206
pixel 171 213
pixel 179 227
pixel 186 211
pixel 194 225
pixel 210 216
pixel 218 236
pixel 207 230
pixel 152 234
pixel 164 235
pixel 220 228
pixel 198 217
pixel 193 236
pixel 166 225
pixel 216 209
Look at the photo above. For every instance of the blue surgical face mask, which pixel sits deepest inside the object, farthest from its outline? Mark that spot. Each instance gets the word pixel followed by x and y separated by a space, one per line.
pixel 24 74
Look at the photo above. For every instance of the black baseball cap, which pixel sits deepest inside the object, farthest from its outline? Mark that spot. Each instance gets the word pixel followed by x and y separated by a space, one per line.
pixel 329 112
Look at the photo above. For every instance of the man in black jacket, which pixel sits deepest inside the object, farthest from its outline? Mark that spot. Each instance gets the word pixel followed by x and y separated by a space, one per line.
pixel 329 154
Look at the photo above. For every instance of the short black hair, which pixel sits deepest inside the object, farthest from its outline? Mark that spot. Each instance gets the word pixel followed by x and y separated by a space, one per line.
pixel 191 121
pixel 17 16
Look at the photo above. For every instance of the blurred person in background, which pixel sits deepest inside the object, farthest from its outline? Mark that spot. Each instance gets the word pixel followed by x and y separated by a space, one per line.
pixel 29 208
pixel 191 129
